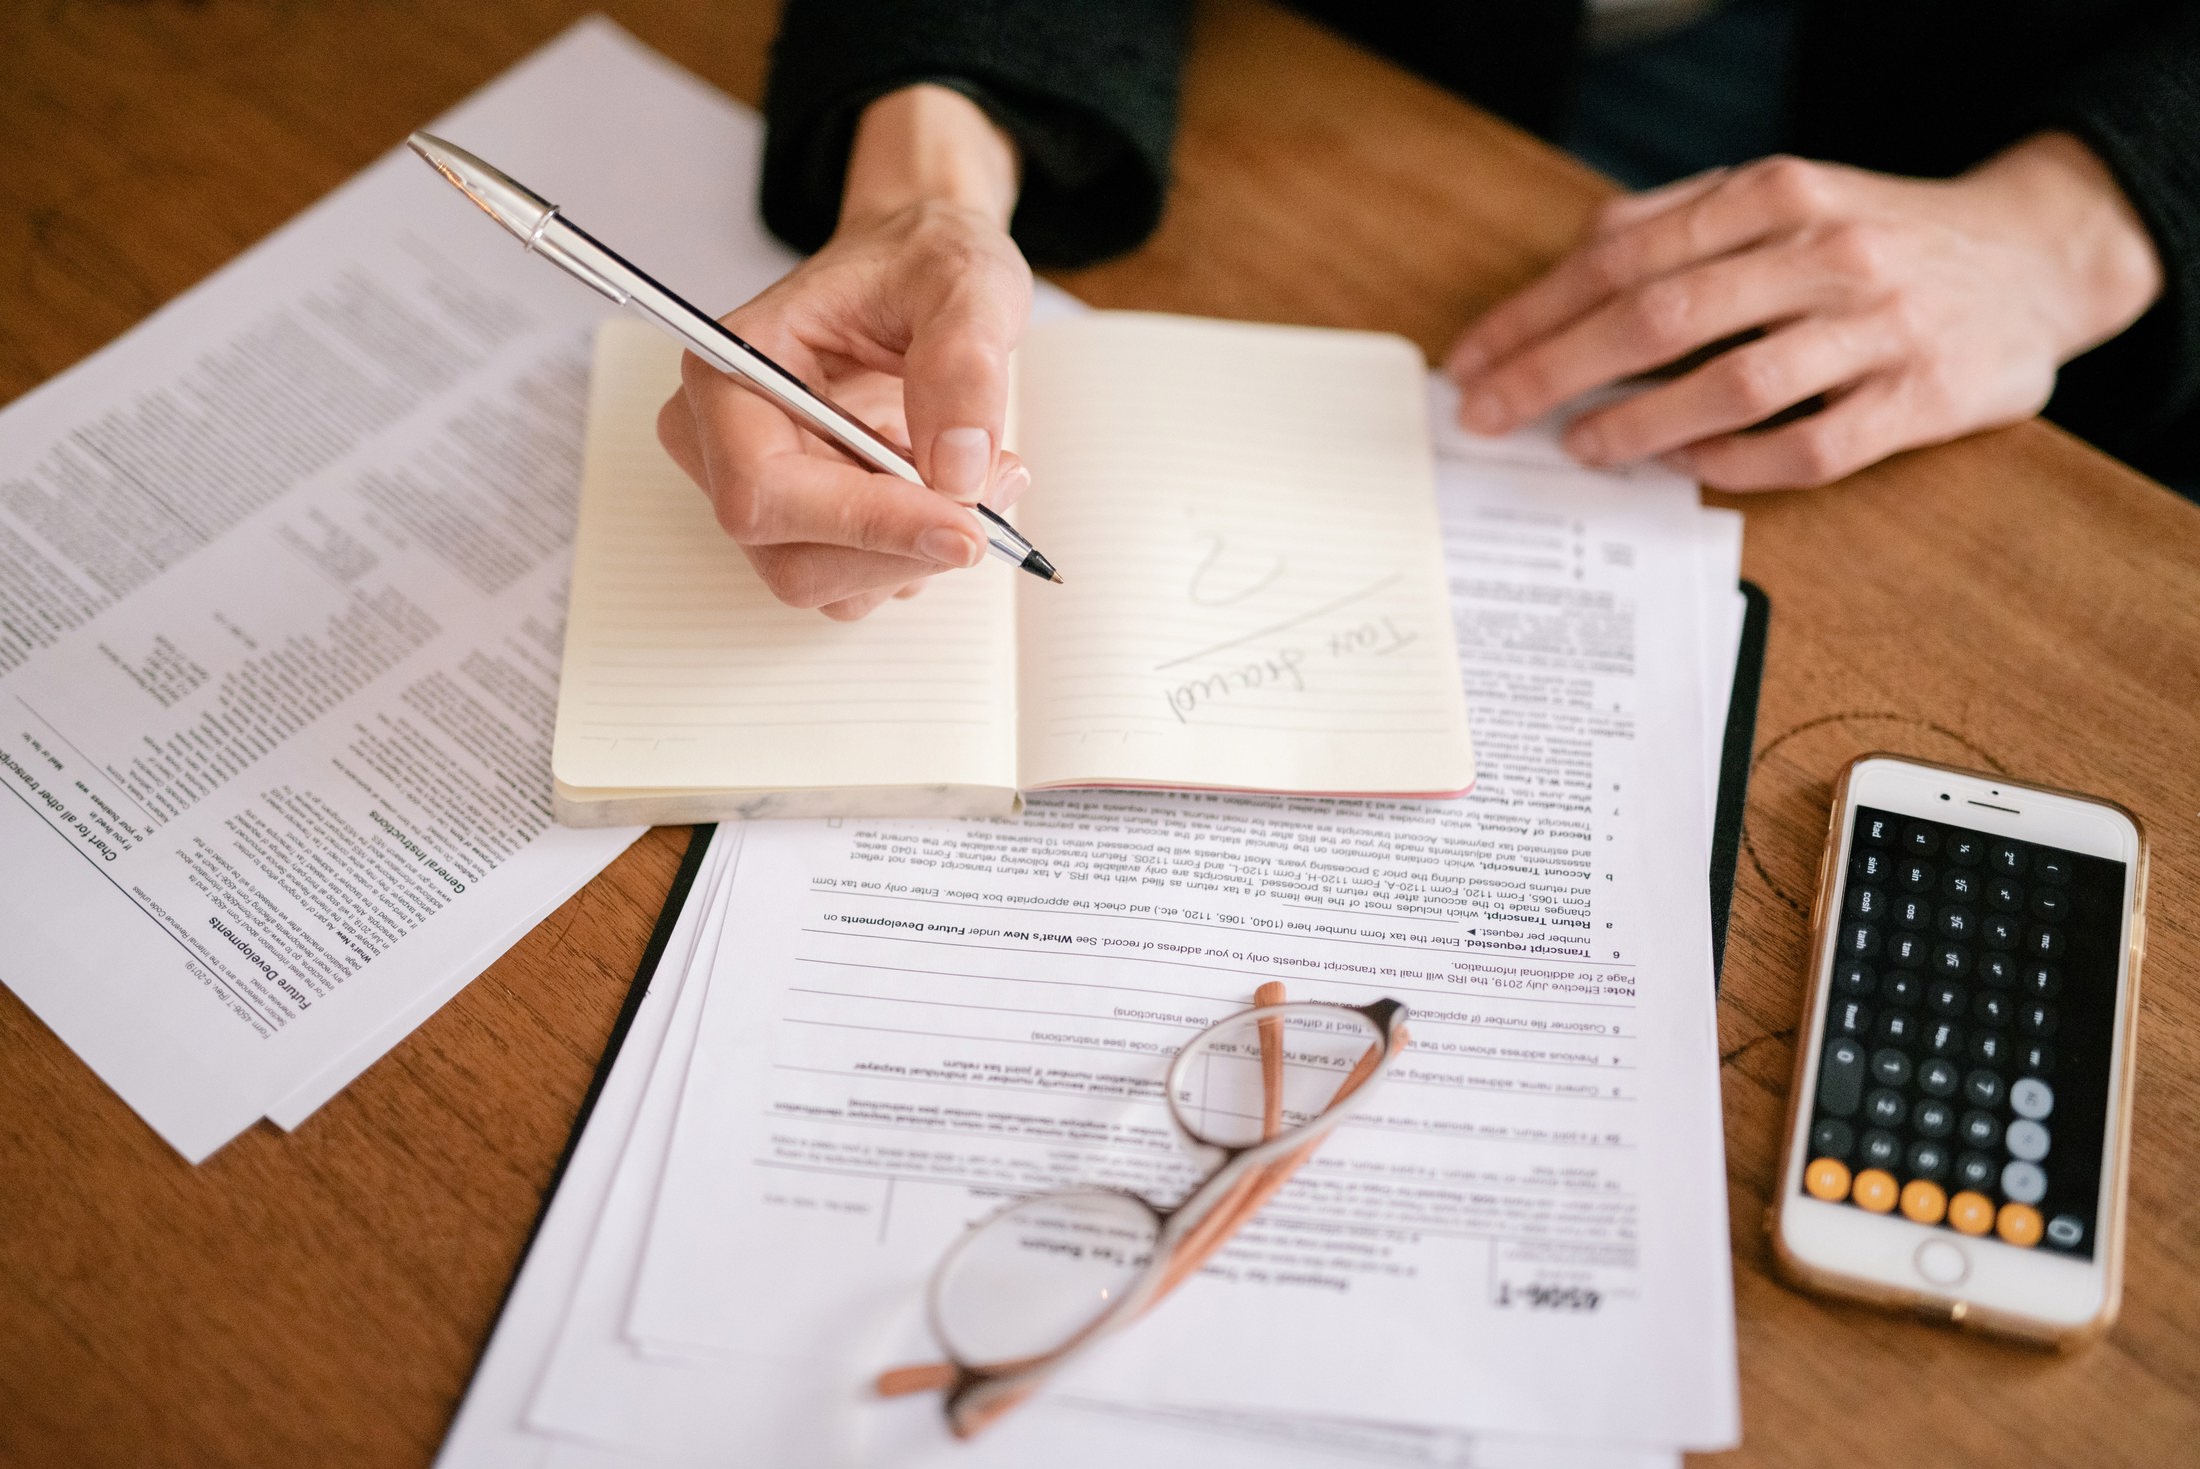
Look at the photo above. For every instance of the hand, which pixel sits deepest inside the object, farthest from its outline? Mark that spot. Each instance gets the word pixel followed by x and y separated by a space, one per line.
pixel 1917 311
pixel 906 318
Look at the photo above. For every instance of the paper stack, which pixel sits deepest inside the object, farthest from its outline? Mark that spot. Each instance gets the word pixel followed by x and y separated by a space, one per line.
pixel 865 1034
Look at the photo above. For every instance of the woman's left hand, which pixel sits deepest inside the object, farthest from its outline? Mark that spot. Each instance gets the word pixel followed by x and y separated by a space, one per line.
pixel 1917 310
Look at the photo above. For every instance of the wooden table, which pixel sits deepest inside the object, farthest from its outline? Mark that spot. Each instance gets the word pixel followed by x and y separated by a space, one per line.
pixel 2016 601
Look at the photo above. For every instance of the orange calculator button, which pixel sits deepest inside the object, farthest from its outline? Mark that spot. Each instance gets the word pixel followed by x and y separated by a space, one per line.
pixel 1828 1179
pixel 1875 1190
pixel 1971 1212
pixel 1923 1201
pixel 2019 1224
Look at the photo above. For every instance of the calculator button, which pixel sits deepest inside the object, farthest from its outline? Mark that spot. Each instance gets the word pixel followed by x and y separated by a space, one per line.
pixel 1841 1078
pixel 2004 894
pixel 2000 931
pixel 1890 1067
pixel 1859 940
pixel 1867 902
pixel 2019 1224
pixel 1959 886
pixel 1874 1189
pixel 1943 1038
pixel 1915 875
pixel 1937 1078
pixel 2032 1099
pixel 2064 1231
pixel 1833 1138
pixel 1979 1129
pixel 2046 943
pixel 1927 1160
pixel 1998 970
pixel 2037 1019
pixel 1828 1179
pixel 2051 904
pixel 1971 1212
pixel 1886 1108
pixel 1964 849
pixel 2024 1182
pixel 1907 950
pixel 1945 997
pixel 1852 977
pixel 1982 1089
pixel 2025 1139
pixel 1923 1201
pixel 1976 1170
pixel 1991 1007
pixel 2035 1059
pixel 2006 858
pixel 1878 831
pixel 1953 960
pixel 1872 866
pixel 1901 988
pixel 1932 1119
pixel 1957 923
pixel 1912 911
pixel 1850 1017
pixel 1989 1049
pixel 2043 981
pixel 2052 867
pixel 1896 1028
pixel 1880 1149
pixel 1920 839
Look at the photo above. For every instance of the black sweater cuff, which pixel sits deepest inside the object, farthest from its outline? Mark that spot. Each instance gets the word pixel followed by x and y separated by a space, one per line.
pixel 1088 91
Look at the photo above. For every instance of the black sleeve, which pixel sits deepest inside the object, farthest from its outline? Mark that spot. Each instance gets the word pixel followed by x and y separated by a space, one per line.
pixel 1086 87
pixel 2138 107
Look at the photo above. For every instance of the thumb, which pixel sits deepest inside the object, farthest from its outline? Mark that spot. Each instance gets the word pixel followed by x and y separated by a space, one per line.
pixel 955 390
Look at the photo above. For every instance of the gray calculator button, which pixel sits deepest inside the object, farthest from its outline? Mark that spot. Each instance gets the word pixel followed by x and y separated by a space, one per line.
pixel 1841 1078
pixel 2024 1183
pixel 2026 1140
pixel 2065 1230
pixel 2032 1098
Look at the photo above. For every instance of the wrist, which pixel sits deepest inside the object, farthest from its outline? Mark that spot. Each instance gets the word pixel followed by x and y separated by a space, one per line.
pixel 2103 268
pixel 929 145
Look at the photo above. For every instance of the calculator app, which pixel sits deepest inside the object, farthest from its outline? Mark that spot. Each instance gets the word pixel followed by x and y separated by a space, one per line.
pixel 1963 1072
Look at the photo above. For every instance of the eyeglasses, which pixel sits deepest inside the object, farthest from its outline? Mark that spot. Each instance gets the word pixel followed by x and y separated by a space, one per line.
pixel 1022 1292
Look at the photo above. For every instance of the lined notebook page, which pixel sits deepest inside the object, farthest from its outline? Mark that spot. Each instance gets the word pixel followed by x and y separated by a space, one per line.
pixel 683 672
pixel 1246 520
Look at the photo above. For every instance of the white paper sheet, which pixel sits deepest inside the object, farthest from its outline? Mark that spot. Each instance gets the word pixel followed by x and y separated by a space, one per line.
pixel 1541 937
pixel 281 584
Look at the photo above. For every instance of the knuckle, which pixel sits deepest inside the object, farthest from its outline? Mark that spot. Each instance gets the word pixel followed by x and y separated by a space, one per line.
pixel 1758 382
pixel 1819 453
pixel 739 514
pixel 1793 186
pixel 1662 312
pixel 794 577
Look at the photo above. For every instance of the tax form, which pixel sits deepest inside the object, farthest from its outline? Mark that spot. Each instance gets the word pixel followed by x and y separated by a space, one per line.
pixel 282 588
pixel 1527 1226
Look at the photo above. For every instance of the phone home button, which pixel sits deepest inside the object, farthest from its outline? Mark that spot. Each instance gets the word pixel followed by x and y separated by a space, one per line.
pixel 1942 1262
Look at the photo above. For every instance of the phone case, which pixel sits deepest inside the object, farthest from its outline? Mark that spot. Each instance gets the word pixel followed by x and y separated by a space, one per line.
pixel 1832 1282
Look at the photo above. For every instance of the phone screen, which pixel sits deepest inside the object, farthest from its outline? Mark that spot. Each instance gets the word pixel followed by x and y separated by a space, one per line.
pixel 1963 1076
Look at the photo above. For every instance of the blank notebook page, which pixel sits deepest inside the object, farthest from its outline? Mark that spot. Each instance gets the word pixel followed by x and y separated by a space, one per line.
pixel 1245 517
pixel 683 671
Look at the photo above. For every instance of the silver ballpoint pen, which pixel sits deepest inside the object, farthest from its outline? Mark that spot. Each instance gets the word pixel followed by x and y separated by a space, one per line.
pixel 542 230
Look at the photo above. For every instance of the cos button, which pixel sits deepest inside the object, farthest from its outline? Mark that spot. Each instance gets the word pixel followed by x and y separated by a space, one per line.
pixel 1942 1262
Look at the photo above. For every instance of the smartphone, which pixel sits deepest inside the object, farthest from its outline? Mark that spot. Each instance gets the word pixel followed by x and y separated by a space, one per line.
pixel 1959 1130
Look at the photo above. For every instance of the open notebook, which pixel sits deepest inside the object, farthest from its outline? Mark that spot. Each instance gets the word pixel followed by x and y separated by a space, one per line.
pixel 1253 599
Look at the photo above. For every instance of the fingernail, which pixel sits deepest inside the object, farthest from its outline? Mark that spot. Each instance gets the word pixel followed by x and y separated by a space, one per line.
pixel 1482 412
pixel 961 459
pixel 949 548
pixel 1010 487
pixel 1586 445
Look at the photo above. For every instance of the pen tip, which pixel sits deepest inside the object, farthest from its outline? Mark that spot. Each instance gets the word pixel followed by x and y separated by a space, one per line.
pixel 1057 578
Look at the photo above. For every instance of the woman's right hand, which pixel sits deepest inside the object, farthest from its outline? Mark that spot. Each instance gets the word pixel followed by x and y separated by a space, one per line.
pixel 906 318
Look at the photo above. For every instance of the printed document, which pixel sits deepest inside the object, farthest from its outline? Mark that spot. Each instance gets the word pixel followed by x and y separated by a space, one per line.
pixel 282 585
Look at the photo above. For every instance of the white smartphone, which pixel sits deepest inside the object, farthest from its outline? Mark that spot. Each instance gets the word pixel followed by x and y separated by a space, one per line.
pixel 1960 1123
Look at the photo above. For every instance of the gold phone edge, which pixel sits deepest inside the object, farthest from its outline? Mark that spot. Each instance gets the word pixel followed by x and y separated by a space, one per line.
pixel 1943 1309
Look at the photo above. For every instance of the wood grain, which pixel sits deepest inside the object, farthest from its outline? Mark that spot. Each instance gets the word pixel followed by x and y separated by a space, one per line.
pixel 2014 601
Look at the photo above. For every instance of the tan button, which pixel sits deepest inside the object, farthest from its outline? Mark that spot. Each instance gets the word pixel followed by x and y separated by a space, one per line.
pixel 1874 1190
pixel 2019 1224
pixel 1828 1179
pixel 1923 1201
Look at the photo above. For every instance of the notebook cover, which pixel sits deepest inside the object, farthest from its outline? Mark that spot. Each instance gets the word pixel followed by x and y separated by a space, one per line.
pixel 1734 760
